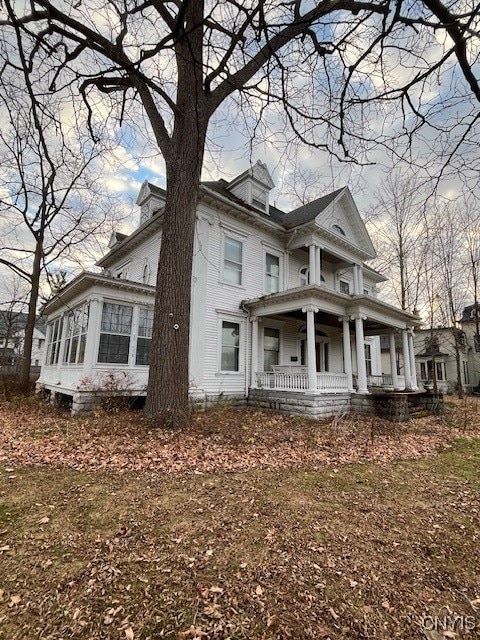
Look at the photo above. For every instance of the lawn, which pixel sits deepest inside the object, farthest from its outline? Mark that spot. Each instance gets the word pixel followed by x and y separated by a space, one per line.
pixel 248 525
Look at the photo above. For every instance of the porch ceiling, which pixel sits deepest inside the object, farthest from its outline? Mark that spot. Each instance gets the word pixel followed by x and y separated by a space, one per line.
pixel 379 316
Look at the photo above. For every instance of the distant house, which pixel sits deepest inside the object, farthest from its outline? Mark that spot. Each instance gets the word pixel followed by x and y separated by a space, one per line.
pixel 435 354
pixel 285 311
pixel 12 334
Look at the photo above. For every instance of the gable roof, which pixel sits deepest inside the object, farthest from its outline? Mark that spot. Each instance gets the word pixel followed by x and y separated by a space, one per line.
pixel 309 211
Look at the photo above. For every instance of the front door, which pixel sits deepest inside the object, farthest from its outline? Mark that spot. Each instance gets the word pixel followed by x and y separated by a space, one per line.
pixel 321 355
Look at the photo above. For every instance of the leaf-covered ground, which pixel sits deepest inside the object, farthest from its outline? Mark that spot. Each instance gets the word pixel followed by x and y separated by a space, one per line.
pixel 285 529
pixel 223 439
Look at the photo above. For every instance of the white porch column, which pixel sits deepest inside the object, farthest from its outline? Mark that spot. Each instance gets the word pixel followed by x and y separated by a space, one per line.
pixel 413 371
pixel 254 354
pixel 393 362
pixel 347 353
pixel 311 363
pixel 360 346
pixel 312 255
pixel 406 361
pixel 357 279
pixel 318 260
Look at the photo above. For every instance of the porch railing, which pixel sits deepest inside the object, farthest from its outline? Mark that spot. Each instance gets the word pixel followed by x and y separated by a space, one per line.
pixel 384 380
pixel 326 382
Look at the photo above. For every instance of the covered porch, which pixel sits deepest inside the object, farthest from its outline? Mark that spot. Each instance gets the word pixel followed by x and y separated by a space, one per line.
pixel 313 340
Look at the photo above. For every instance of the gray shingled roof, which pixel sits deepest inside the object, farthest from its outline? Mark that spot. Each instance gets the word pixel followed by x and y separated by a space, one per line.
pixel 310 211
pixel 221 187
pixel 301 215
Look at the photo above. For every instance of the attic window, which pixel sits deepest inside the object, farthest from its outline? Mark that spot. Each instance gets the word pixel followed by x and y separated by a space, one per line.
pixel 259 198
pixel 338 229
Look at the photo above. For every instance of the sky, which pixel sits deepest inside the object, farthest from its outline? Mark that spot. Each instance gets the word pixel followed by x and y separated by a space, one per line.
pixel 296 167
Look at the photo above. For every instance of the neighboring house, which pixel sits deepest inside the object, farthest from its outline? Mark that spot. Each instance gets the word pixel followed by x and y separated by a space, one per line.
pixel 284 305
pixel 435 351
pixel 12 331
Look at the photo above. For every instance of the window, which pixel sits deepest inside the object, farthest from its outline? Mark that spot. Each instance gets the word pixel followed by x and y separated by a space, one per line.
pixel 271 348
pixel 115 333
pixel 55 336
pixel 304 276
pixel 232 261
pixel 368 359
pixel 338 229
pixel 427 370
pixel 76 335
pixel 466 374
pixel 144 340
pixel 272 273
pixel 344 287
pixel 476 340
pixel 230 356
pixel 259 198
pixel 440 371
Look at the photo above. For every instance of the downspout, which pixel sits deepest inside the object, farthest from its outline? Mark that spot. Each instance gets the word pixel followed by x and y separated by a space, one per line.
pixel 247 368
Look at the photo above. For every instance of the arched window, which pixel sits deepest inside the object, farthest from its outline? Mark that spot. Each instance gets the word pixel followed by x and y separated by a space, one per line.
pixel 304 276
pixel 338 229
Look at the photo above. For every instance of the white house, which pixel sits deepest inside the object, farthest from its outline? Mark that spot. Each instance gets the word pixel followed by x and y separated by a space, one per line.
pixel 285 310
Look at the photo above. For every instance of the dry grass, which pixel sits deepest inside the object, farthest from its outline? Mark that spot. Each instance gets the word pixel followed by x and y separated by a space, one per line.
pixel 341 551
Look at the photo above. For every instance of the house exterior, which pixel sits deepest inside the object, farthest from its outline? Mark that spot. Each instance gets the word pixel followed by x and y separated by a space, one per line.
pixel 12 333
pixel 435 354
pixel 285 310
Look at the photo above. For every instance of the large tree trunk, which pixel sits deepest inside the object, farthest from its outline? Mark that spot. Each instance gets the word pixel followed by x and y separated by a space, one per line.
pixel 31 316
pixel 167 393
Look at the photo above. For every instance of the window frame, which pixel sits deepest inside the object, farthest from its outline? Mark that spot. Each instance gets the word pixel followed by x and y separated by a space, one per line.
pixel 76 329
pixel 280 342
pixel 145 338
pixel 116 333
pixel 230 235
pixel 345 284
pixel 54 339
pixel 266 275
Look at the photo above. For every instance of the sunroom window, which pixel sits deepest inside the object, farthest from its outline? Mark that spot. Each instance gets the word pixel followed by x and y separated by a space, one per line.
pixel 115 332
pixel 144 340
pixel 76 335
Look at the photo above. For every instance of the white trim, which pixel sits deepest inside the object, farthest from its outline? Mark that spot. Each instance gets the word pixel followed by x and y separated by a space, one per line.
pixel 225 316
pixel 231 235
pixel 276 254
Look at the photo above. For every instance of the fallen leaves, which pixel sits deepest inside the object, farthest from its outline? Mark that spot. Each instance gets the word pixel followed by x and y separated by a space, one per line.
pixel 217 440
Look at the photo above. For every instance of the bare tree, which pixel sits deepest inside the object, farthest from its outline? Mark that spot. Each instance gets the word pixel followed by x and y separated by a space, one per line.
pixel 397 223
pixel 449 248
pixel 50 202
pixel 329 68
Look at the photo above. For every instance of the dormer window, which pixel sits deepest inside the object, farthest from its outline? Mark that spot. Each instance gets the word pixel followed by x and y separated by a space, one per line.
pixel 338 229
pixel 253 187
pixel 259 198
